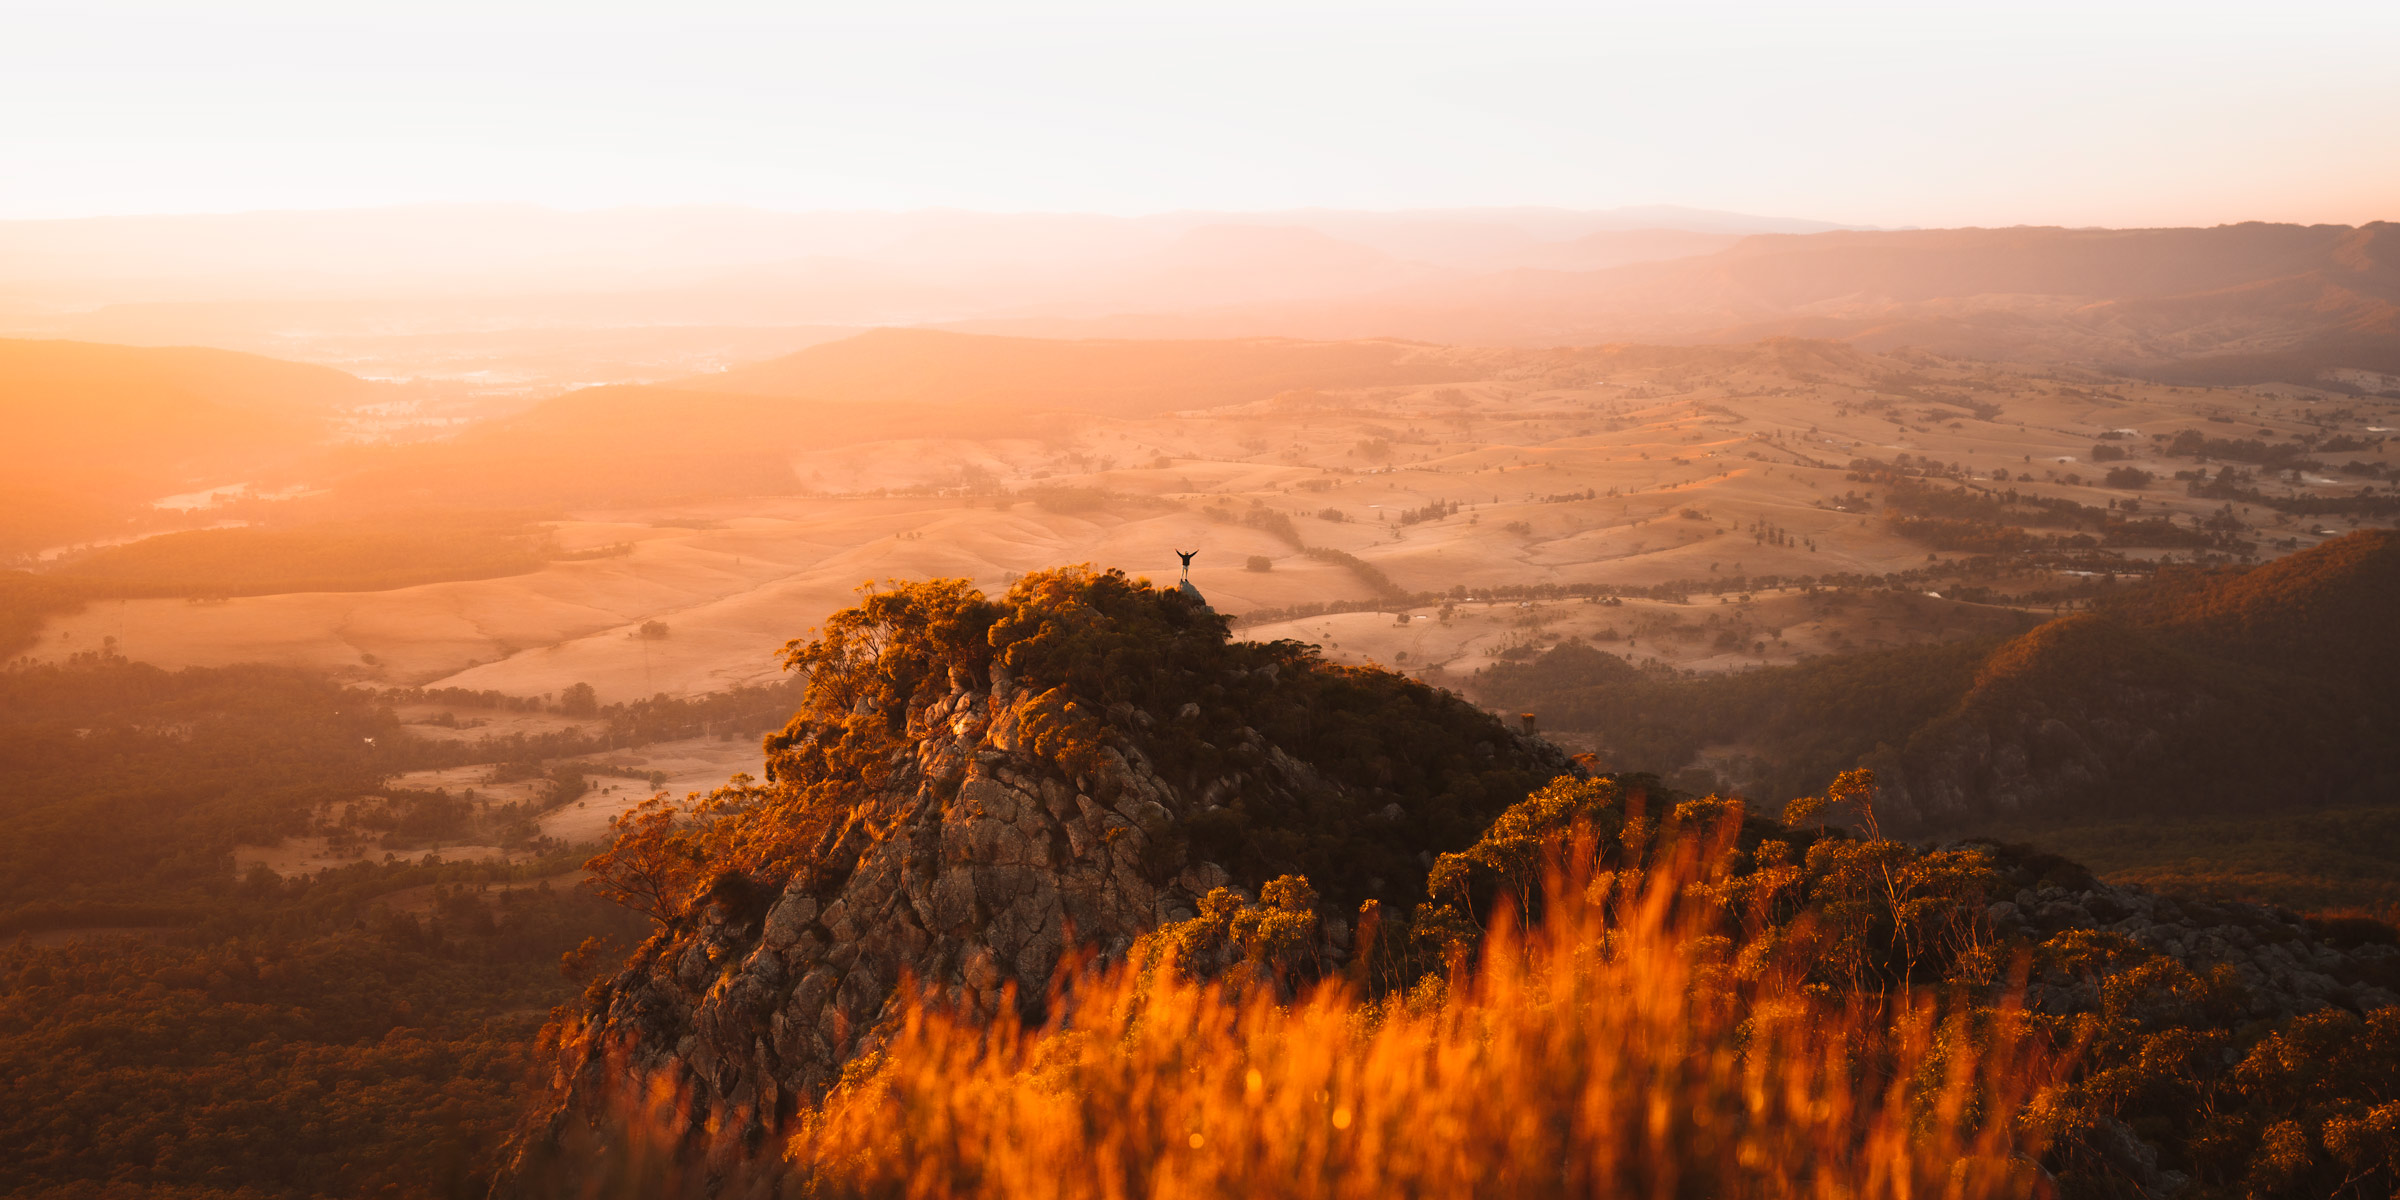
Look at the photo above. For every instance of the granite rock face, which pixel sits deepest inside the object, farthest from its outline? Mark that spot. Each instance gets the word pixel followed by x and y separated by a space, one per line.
pixel 2285 968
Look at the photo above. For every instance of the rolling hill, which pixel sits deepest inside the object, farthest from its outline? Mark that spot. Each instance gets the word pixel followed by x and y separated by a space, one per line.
pixel 73 406
pixel 735 432
pixel 95 429
pixel 1126 378
pixel 428 291
pixel 2225 691
pixel 2232 304
pixel 2253 693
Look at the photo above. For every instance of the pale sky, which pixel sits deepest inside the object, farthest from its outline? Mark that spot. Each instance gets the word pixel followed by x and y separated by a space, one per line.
pixel 1925 113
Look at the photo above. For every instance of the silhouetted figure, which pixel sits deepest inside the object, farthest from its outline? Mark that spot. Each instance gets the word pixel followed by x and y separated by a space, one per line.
pixel 1186 586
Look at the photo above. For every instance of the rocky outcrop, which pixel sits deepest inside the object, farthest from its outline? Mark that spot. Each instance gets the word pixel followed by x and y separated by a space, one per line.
pixel 970 872
pixel 2252 970
pixel 2284 966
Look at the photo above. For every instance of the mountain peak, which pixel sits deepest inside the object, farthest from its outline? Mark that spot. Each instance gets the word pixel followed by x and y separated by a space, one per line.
pixel 973 789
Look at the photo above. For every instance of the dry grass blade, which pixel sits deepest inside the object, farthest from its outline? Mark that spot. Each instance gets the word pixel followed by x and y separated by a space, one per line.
pixel 1604 1052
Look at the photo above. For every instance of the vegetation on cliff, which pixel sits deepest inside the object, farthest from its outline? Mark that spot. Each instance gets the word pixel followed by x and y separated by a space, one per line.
pixel 975 789
pixel 1622 988
pixel 1111 664
pixel 1653 997
pixel 1617 1046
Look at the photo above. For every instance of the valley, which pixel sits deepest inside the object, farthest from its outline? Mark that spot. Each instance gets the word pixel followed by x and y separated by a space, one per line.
pixel 1435 511
pixel 1715 473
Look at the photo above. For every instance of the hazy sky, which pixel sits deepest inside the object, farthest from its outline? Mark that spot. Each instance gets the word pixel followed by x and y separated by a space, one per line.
pixel 1926 113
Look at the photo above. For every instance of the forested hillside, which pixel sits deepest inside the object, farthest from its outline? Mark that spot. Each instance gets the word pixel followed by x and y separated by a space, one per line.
pixel 2214 732
pixel 170 1027
pixel 305 1040
pixel 2215 691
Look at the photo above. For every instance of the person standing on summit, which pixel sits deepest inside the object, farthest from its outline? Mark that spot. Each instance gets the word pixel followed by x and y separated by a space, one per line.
pixel 1185 586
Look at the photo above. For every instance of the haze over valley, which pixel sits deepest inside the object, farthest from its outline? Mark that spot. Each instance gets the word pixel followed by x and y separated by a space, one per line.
pixel 1046 599
pixel 1432 509
pixel 509 301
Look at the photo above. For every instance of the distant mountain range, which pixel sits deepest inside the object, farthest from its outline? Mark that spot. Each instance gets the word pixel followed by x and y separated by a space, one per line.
pixel 469 291
pixel 499 248
pixel 2232 304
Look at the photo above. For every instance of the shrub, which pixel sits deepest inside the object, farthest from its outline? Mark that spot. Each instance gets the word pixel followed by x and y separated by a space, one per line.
pixel 1608 1051
pixel 1095 653
pixel 1273 521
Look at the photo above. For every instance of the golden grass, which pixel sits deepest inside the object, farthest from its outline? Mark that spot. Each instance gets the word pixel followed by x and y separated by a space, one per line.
pixel 1609 1051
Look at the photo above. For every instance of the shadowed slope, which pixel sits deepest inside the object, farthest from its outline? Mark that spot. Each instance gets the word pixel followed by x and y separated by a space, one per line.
pixel 2234 692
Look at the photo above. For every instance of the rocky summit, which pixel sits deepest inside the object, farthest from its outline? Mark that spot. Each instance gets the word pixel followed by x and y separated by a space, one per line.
pixel 978 789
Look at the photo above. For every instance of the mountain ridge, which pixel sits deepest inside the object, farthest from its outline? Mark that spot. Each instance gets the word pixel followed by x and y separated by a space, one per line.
pixel 2203 693
pixel 2228 304
pixel 2239 303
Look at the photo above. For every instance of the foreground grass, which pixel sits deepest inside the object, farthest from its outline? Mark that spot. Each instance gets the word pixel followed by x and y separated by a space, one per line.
pixel 1585 1057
